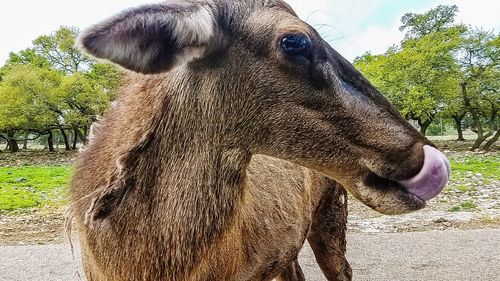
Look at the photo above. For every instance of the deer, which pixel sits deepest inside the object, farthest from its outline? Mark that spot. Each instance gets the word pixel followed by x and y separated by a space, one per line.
pixel 235 139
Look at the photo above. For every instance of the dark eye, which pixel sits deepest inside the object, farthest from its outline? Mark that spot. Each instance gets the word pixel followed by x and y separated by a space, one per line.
pixel 297 45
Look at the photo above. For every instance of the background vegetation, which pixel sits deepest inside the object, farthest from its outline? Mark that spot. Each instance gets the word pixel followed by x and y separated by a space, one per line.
pixel 442 73
pixel 51 89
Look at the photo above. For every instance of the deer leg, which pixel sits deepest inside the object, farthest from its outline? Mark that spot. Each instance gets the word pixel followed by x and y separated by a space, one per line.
pixel 327 236
pixel 292 273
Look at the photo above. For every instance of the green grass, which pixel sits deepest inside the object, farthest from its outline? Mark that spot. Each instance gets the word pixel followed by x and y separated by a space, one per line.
pixel 486 166
pixel 464 188
pixel 32 186
pixel 468 205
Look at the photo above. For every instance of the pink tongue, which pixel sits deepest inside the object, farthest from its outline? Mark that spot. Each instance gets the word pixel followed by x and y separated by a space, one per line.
pixel 432 178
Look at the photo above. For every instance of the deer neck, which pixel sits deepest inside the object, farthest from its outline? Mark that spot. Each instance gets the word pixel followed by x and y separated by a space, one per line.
pixel 199 171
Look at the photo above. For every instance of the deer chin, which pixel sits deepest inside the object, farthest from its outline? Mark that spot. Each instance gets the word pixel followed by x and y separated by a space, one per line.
pixel 396 197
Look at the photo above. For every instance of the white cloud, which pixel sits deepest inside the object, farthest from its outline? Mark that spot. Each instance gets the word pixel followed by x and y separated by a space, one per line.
pixel 483 13
pixel 375 39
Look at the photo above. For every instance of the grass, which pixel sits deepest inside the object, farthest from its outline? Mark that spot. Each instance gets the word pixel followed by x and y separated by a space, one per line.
pixel 486 166
pixel 32 186
pixel 468 205
pixel 471 172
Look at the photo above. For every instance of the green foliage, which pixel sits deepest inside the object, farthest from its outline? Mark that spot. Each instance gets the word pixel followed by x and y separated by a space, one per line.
pixel 440 127
pixel 53 85
pixel 418 76
pixel 24 91
pixel 32 186
pixel 441 69
pixel 59 49
pixel 480 59
pixel 106 76
pixel 436 20
pixel 28 56
pixel 84 99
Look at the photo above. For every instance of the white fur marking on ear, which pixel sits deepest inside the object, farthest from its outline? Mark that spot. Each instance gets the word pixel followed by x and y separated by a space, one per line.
pixel 189 54
pixel 195 28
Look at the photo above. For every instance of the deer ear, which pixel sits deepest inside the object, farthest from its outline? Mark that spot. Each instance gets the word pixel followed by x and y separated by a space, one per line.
pixel 153 38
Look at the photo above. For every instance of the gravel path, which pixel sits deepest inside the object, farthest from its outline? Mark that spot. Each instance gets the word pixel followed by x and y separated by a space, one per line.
pixel 429 256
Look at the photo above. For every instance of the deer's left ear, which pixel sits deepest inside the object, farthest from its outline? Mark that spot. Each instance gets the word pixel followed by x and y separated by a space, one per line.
pixel 153 38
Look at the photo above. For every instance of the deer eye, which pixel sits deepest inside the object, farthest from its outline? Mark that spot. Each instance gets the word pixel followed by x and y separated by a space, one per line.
pixel 297 46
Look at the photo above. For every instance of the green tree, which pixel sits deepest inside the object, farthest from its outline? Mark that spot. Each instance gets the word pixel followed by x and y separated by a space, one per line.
pixel 438 19
pixel 60 51
pixel 418 76
pixel 85 101
pixel 27 56
pixel 479 57
pixel 105 76
pixel 84 90
pixel 24 106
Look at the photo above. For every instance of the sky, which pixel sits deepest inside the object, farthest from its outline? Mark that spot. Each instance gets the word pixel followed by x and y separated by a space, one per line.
pixel 352 27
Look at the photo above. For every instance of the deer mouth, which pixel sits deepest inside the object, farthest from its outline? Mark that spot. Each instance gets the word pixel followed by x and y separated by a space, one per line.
pixel 433 176
pixel 401 196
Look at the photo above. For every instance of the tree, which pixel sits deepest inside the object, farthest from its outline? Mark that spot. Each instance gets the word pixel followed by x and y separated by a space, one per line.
pixel 106 76
pixel 86 100
pixel 455 109
pixel 25 57
pixel 59 82
pixel 60 51
pixel 23 92
pixel 479 57
pixel 438 19
pixel 421 74
pixel 418 76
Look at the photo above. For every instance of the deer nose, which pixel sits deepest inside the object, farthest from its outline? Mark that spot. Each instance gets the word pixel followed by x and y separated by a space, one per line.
pixel 433 175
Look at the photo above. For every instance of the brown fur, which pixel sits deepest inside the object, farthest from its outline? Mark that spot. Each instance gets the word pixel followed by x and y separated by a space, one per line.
pixel 219 169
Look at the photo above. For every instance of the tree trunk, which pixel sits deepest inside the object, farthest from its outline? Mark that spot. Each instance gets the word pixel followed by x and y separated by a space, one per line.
pixel 480 139
pixel 7 146
pixel 81 136
pixel 65 138
pixel 50 141
pixel 13 146
pixel 85 136
pixel 491 142
pixel 25 141
pixel 458 124
pixel 424 125
pixel 475 119
pixel 75 138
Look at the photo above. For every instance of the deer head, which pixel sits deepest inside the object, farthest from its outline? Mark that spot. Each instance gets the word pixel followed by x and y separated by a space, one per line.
pixel 267 83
